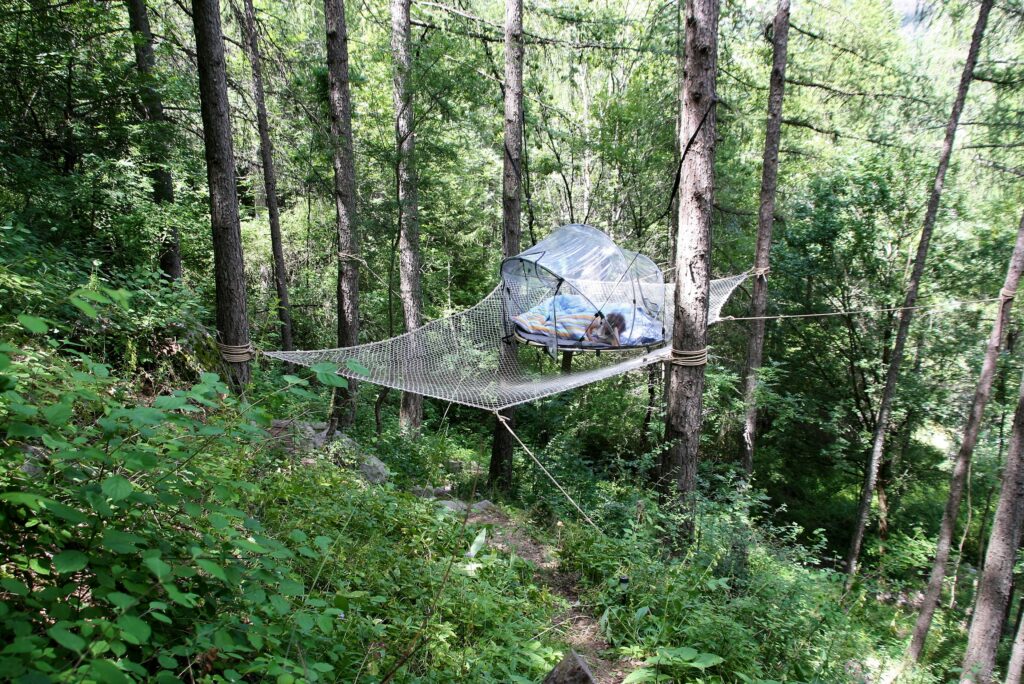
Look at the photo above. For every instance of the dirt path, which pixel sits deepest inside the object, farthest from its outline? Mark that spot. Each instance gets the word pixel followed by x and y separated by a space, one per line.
pixel 577 627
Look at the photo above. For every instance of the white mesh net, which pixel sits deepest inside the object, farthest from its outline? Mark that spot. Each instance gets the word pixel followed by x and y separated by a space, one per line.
pixel 456 358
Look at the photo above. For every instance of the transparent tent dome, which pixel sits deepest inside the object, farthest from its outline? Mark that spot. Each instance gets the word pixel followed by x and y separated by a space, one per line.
pixel 577 290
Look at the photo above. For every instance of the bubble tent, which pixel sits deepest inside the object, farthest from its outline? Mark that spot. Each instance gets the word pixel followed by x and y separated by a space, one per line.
pixel 459 358
pixel 583 280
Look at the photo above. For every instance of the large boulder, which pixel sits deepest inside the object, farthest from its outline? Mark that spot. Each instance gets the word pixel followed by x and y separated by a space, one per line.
pixel 373 470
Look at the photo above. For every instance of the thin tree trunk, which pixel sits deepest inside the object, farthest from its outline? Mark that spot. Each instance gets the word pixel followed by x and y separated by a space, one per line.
pixel 411 412
pixel 907 314
pixel 995 584
pixel 153 110
pixel 252 45
pixel 228 262
pixel 500 471
pixel 693 252
pixel 340 105
pixel 765 221
pixel 673 209
pixel 961 466
pixel 1016 665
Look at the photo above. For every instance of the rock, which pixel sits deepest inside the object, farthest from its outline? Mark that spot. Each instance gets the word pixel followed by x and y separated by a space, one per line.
pixel 373 470
pixel 300 435
pixel 453 467
pixel 484 506
pixel 310 439
pixel 572 670
pixel 456 506
pixel 431 492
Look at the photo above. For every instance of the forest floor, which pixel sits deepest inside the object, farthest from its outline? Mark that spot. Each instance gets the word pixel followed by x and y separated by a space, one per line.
pixel 576 625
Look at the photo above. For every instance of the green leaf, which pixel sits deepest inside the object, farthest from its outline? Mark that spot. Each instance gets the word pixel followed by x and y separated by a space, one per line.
pixel 70 561
pixel 121 542
pixel 106 671
pixel 357 367
pixel 117 487
pixel 85 307
pixel 67 639
pixel 33 501
pixel 133 629
pixel 170 402
pixel 34 325
pixel 331 380
pixel 121 600
pixel 97 297
pixel 157 567
pixel 642 675
pixel 705 660
pixel 58 414
pixel 213 569
pixel 477 544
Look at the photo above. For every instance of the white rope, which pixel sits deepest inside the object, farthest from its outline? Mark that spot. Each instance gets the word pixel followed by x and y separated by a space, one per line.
pixel 887 309
pixel 504 421
pixel 698 357
pixel 237 353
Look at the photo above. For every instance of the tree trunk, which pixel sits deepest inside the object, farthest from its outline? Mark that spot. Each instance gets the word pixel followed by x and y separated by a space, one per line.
pixel 1016 664
pixel 340 105
pixel 500 472
pixel 765 220
pixel 907 314
pixel 996 580
pixel 252 45
pixel 153 111
pixel 411 412
pixel 228 263
pixel 961 466
pixel 693 250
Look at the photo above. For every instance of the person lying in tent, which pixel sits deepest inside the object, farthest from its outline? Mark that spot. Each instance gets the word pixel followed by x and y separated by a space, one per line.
pixel 606 329
pixel 573 322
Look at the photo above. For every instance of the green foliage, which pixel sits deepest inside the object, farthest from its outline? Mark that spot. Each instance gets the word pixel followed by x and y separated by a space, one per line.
pixel 138 545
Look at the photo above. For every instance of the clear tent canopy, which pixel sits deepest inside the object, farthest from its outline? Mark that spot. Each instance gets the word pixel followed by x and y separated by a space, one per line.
pixel 574 291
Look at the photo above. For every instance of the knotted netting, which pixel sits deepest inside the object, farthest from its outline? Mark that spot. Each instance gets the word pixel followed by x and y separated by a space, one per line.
pixel 458 358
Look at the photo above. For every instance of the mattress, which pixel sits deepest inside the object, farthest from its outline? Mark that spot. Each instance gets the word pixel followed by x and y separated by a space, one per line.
pixel 566 318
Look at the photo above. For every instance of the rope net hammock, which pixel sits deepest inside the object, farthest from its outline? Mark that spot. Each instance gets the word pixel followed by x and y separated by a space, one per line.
pixel 574 291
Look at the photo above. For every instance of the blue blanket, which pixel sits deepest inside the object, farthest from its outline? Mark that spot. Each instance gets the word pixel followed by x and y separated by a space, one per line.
pixel 567 317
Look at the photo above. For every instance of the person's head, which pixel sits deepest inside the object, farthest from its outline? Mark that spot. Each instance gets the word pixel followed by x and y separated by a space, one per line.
pixel 616 321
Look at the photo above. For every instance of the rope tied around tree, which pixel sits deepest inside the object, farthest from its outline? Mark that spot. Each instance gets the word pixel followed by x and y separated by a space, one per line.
pixel 1007 294
pixel 697 357
pixel 237 353
pixel 760 272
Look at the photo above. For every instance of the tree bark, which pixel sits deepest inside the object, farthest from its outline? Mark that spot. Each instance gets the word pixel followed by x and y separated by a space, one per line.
pixel 228 262
pixel 995 584
pixel 252 48
pixel 961 466
pixel 340 105
pixel 500 471
pixel 907 313
pixel 411 412
pixel 1016 665
pixel 153 111
pixel 765 221
pixel 693 246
